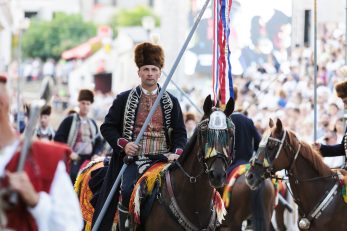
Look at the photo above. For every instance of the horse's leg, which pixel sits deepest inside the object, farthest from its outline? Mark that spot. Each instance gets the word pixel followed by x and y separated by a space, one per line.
pixel 223 229
pixel 269 201
pixel 262 205
pixel 233 221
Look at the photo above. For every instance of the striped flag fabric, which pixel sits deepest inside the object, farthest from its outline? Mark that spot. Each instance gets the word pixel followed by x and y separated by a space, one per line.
pixel 221 66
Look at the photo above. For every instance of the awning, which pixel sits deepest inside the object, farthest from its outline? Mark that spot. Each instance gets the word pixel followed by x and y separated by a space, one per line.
pixel 83 50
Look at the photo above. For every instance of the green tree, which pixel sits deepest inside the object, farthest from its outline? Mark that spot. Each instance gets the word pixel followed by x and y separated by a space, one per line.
pixel 46 39
pixel 132 17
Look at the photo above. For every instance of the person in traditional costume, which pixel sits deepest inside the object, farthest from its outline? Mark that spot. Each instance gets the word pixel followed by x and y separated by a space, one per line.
pixel 165 134
pixel 247 137
pixel 44 130
pixel 81 133
pixel 337 149
pixel 46 199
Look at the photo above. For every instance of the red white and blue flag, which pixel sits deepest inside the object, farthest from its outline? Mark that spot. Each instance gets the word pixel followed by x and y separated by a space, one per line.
pixel 222 76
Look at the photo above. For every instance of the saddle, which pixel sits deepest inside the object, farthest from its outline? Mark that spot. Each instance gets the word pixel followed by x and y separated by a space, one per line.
pixel 145 192
pixel 232 177
pixel 341 173
pixel 239 170
pixel 85 193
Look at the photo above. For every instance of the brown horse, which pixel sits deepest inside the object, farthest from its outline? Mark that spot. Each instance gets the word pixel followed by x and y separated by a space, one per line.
pixel 246 203
pixel 315 186
pixel 187 196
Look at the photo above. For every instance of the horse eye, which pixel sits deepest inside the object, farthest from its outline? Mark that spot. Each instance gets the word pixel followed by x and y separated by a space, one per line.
pixel 271 145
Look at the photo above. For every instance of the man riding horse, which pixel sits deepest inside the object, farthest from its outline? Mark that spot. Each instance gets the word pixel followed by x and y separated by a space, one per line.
pixel 338 149
pixel 165 134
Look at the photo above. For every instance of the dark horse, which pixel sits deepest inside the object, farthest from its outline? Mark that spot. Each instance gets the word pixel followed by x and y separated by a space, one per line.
pixel 246 203
pixel 187 196
pixel 315 186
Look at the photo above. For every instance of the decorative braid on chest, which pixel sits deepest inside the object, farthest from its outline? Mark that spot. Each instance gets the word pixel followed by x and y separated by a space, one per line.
pixel 130 111
pixel 129 114
pixel 167 108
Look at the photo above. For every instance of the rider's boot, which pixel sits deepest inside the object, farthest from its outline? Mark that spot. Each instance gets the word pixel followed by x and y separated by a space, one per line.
pixel 123 221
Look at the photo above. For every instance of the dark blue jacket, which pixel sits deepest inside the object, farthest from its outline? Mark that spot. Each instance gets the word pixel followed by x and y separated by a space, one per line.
pixel 63 131
pixel 247 137
pixel 112 130
pixel 334 150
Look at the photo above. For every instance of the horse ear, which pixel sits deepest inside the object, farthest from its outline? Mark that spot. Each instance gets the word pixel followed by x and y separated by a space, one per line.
pixel 271 123
pixel 207 105
pixel 279 126
pixel 229 109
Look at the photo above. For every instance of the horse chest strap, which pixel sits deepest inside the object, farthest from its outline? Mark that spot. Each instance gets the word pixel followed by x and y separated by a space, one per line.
pixel 304 222
pixel 177 213
pixel 324 204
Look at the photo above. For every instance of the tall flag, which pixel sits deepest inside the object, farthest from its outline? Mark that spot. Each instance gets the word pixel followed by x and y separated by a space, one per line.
pixel 221 67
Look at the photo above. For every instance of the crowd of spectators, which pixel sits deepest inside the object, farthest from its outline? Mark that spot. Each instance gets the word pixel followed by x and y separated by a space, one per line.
pixel 281 86
pixel 267 90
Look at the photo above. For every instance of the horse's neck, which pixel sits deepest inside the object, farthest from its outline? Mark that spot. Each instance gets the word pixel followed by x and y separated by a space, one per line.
pixel 308 192
pixel 193 198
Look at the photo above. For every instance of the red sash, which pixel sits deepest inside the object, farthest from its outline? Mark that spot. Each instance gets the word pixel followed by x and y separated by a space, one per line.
pixel 40 166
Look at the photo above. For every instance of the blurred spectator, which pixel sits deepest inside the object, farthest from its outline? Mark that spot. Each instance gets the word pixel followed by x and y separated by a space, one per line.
pixel 330 138
pixel 282 101
pixel 190 123
pixel 49 68
pixel 81 133
pixel 45 131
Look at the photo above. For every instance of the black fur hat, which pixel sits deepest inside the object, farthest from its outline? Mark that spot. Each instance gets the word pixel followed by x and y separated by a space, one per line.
pixel 341 89
pixel 149 54
pixel 86 95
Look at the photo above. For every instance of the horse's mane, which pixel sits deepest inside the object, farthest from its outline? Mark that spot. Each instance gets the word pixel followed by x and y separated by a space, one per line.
pixel 313 156
pixel 187 150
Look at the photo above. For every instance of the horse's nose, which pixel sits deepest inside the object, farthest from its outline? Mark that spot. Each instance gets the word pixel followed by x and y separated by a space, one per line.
pixel 218 176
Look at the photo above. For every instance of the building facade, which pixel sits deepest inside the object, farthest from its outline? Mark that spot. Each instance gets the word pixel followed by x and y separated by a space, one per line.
pixel 6 28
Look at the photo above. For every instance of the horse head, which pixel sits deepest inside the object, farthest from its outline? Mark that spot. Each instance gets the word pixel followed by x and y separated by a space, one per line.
pixel 215 134
pixel 275 153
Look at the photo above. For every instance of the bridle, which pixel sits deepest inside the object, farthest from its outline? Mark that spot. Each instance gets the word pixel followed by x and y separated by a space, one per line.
pixel 204 131
pixel 271 155
pixel 306 218
pixel 207 149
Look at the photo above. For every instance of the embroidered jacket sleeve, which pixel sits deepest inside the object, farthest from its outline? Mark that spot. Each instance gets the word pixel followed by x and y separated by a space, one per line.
pixel 178 134
pixel 333 150
pixel 62 133
pixel 111 129
pixel 58 210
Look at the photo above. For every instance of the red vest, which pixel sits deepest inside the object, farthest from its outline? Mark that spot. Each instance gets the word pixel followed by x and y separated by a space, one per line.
pixel 40 166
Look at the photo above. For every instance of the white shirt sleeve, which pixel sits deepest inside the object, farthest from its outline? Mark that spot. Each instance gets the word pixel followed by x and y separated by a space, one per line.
pixel 59 210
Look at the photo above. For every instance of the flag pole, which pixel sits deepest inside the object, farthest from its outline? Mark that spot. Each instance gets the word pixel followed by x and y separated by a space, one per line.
pixel 315 70
pixel 185 95
pixel 156 103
